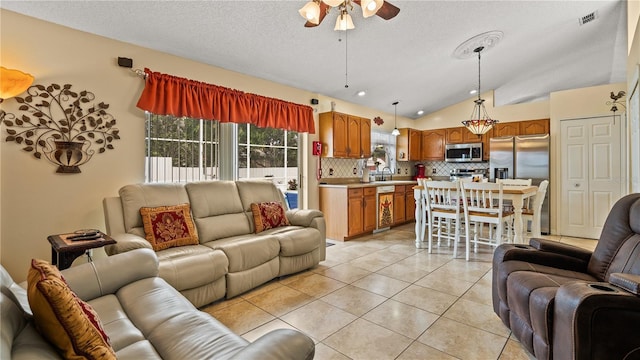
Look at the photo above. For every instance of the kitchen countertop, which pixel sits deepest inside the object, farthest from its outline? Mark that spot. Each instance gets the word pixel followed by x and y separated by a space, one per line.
pixel 358 184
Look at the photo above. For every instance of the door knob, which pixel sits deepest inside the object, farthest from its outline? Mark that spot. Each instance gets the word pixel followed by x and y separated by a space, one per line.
pixel 576 185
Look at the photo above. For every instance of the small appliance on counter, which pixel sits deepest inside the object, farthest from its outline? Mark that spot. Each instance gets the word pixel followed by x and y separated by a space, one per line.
pixel 420 172
pixel 476 174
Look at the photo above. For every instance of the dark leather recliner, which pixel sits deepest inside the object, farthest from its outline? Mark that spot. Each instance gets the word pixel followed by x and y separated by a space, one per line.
pixel 563 302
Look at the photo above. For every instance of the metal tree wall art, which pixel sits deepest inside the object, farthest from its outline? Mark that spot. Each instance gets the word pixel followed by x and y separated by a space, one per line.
pixel 64 126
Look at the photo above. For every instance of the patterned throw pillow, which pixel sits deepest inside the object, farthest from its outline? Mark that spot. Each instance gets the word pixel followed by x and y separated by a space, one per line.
pixel 169 226
pixel 62 317
pixel 268 215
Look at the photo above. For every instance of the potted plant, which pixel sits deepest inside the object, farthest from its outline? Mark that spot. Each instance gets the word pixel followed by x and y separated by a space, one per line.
pixel 61 124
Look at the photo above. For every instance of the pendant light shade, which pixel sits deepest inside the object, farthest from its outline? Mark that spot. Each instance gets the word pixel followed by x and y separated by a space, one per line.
pixel 370 7
pixel 479 122
pixel 395 131
pixel 311 12
pixel 344 22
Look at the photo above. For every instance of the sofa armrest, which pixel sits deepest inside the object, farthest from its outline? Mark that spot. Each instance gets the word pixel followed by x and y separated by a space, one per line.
pixel 303 217
pixel 281 344
pixel 107 275
pixel 628 282
pixel 585 311
pixel 531 254
pixel 126 242
pixel 560 249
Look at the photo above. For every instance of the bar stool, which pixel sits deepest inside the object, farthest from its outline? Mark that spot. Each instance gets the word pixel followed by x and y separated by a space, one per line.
pixel 533 213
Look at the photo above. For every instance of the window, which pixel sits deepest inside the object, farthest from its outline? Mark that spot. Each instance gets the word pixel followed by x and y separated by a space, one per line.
pixel 268 153
pixel 180 149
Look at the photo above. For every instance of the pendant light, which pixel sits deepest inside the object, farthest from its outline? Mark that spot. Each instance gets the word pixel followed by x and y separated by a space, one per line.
pixel 395 131
pixel 479 122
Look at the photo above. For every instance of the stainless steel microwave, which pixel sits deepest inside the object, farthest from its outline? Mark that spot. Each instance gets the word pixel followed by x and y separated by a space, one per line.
pixel 463 152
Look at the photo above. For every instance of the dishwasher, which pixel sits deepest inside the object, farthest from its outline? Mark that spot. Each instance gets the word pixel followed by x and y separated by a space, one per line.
pixel 384 208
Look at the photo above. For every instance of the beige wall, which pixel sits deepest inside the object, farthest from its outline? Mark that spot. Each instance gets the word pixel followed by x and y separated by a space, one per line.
pixel 36 201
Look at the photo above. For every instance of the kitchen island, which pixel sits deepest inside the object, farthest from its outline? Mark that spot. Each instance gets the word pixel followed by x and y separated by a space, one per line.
pixel 353 208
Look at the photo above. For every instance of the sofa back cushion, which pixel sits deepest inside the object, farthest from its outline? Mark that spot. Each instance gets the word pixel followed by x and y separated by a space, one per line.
pixel 257 191
pixel 618 249
pixel 137 196
pixel 217 210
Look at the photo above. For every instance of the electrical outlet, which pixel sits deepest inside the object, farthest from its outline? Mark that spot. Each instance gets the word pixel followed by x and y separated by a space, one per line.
pixel 434 171
pixel 399 170
pixel 355 171
pixel 406 171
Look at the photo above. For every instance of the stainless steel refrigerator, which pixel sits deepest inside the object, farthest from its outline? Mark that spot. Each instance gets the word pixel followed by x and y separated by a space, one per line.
pixel 522 157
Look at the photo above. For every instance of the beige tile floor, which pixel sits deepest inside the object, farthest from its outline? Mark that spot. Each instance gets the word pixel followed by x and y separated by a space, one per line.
pixel 378 297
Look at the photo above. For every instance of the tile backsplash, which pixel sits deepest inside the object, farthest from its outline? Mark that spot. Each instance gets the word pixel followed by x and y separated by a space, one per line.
pixel 347 168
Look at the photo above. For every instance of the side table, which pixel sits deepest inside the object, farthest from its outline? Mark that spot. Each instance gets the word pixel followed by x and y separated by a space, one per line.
pixel 64 251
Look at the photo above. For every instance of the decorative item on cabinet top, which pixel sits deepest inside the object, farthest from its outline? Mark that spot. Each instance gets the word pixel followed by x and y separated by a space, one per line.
pixel 63 125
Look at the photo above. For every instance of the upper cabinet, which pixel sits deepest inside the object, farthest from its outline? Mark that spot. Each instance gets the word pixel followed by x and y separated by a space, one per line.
pixel 433 142
pixel 534 127
pixel 456 135
pixel 345 136
pixel 506 129
pixel 408 145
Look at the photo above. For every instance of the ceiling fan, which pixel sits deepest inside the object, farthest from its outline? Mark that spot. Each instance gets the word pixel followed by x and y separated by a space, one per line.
pixel 316 10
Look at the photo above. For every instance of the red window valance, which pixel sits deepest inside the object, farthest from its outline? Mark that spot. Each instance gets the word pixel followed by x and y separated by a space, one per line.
pixel 170 95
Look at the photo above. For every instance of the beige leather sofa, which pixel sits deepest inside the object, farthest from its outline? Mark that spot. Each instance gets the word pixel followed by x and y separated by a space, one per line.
pixel 143 316
pixel 231 258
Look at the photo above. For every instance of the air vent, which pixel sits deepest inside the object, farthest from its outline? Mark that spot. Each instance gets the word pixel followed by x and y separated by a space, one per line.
pixel 588 18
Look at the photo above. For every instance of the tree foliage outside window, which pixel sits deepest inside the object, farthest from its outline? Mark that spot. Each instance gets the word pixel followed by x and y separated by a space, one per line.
pixel 180 149
pixel 267 153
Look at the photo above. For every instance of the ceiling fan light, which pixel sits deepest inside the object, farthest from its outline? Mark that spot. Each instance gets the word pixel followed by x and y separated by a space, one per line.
pixel 370 7
pixel 344 22
pixel 311 12
pixel 333 3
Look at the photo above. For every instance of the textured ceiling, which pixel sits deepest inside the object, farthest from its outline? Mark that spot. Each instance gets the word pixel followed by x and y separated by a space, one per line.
pixel 409 58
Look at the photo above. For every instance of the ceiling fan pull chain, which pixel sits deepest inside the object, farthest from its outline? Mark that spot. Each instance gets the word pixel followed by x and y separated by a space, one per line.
pixel 346 59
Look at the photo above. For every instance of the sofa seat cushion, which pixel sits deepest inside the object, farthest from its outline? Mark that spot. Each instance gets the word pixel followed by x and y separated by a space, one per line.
pixel 297 241
pixel 173 325
pixel 189 267
pixel 117 325
pixel 247 251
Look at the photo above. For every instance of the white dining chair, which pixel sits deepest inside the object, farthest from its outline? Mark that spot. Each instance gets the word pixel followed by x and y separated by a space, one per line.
pixel 484 204
pixel 533 213
pixel 445 215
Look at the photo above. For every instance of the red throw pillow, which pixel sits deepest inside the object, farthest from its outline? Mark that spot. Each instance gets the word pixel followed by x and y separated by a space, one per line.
pixel 63 318
pixel 169 226
pixel 268 215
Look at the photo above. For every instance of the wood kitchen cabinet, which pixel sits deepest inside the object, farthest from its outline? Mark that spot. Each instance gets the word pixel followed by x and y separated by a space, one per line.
pixel 345 136
pixel 399 205
pixel 432 145
pixel 370 216
pixel 408 145
pixel 456 135
pixel 410 204
pixel 356 212
pixel 506 129
pixel 534 127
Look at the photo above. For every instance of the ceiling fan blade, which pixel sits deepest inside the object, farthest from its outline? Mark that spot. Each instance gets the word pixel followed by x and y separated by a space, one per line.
pixel 323 12
pixel 388 11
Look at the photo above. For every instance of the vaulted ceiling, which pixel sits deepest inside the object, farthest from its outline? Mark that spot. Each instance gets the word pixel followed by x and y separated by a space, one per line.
pixel 408 58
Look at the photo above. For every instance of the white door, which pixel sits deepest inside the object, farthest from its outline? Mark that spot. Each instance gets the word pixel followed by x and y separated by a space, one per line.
pixel 591 175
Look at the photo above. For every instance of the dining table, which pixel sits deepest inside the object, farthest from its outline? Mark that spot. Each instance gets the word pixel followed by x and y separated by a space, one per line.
pixel 516 194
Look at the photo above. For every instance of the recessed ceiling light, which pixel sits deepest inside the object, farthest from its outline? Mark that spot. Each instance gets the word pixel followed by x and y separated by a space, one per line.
pixel 362 93
pixel 420 112
pixel 473 91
